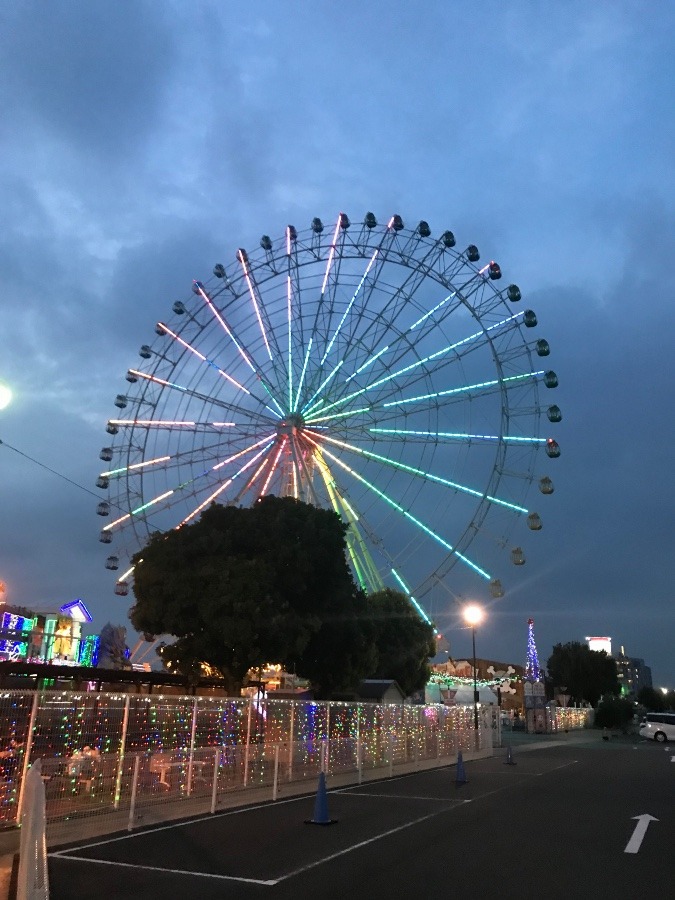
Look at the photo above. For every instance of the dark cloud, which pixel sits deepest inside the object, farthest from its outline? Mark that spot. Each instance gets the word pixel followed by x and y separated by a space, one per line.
pixel 144 142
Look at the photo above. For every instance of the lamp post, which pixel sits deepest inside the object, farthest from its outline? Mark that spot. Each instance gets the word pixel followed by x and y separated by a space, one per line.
pixel 473 615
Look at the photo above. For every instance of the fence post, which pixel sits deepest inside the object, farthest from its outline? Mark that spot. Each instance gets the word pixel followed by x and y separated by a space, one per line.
pixel 291 741
pixel 248 741
pixel 33 876
pixel 326 767
pixel 391 754
pixel 359 764
pixel 120 764
pixel 192 745
pixel 134 785
pixel 214 792
pixel 276 771
pixel 26 756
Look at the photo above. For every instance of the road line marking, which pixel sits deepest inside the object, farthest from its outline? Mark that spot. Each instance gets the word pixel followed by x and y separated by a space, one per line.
pixel 108 862
pixel 206 817
pixel 350 793
pixel 634 843
pixel 365 843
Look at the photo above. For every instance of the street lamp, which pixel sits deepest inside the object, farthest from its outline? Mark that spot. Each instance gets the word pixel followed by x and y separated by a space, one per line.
pixel 5 396
pixel 474 615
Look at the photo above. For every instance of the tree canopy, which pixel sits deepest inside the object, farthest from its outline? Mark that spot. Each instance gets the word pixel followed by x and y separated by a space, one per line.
pixel 586 674
pixel 245 586
pixel 403 640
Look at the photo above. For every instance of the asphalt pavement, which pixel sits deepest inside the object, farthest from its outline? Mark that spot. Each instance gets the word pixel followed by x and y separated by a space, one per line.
pixel 566 815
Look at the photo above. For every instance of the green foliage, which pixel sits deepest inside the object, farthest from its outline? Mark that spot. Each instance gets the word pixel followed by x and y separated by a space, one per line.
pixel 246 586
pixel 614 712
pixel 341 653
pixel 586 674
pixel 404 642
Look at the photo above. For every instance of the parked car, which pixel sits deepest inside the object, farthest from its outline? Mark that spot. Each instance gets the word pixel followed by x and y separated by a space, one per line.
pixel 658 726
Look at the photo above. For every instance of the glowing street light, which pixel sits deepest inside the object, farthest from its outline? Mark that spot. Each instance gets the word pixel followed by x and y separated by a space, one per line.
pixel 474 615
pixel 5 396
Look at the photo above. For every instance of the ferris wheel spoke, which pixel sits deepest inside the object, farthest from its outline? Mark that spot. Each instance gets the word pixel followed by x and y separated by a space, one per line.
pixel 376 261
pixel 266 454
pixel 400 302
pixel 247 357
pixel 188 346
pixel 200 455
pixel 407 514
pixel 367 574
pixel 469 391
pixel 457 437
pixel 413 600
pixel 438 358
pixel 293 303
pixel 274 467
pixel 197 395
pixel 222 487
pixel 418 473
pixel 324 307
pixel 276 357
pixel 165 495
pixel 170 424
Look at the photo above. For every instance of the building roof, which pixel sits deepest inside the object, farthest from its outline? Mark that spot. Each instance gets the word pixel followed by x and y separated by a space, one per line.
pixel 376 688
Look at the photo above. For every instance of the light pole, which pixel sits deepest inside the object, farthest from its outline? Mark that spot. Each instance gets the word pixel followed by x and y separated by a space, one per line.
pixel 473 615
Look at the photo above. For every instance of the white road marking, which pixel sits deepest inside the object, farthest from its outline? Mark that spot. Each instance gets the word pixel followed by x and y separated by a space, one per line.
pixel 365 843
pixel 109 862
pixel 350 793
pixel 634 843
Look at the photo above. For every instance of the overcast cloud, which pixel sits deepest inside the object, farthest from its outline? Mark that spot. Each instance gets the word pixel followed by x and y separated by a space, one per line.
pixel 143 142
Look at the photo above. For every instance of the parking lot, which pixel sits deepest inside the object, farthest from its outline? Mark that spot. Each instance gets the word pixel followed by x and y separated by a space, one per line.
pixel 557 821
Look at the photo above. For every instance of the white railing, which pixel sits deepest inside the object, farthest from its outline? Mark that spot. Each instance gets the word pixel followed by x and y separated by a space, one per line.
pixel 117 760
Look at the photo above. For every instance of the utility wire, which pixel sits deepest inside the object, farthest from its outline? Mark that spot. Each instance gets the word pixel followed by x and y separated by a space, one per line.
pixel 53 471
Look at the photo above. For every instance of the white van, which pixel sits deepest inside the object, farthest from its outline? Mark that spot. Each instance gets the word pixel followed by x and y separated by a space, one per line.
pixel 659 726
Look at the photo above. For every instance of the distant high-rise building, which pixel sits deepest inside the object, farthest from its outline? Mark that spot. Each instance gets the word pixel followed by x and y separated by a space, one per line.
pixel 633 674
pixel 600 643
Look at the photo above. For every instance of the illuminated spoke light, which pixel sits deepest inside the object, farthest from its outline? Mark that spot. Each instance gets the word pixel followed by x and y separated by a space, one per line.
pixel 201 356
pixel 271 472
pixel 323 385
pixel 427 476
pixel 349 306
pixel 141 465
pixel 223 486
pixel 417 606
pixel 254 298
pixel 461 436
pixel 408 515
pixel 482 385
pixel 302 375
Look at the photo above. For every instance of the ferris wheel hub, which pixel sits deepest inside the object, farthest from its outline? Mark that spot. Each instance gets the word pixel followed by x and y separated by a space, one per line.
pixel 292 424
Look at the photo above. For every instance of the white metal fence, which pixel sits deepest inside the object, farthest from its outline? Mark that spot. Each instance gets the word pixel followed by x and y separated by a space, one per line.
pixel 131 759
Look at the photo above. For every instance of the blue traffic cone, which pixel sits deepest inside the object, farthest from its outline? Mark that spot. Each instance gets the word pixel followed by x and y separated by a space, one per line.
pixel 509 757
pixel 321 816
pixel 461 774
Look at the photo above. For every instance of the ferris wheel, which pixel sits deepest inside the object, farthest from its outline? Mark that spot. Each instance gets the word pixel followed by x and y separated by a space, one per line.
pixel 368 368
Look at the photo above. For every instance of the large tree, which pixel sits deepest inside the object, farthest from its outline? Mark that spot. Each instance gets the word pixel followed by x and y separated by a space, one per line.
pixel 245 586
pixel 404 641
pixel 586 674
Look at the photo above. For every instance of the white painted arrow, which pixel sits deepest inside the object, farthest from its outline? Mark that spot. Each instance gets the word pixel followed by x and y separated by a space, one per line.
pixel 633 844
